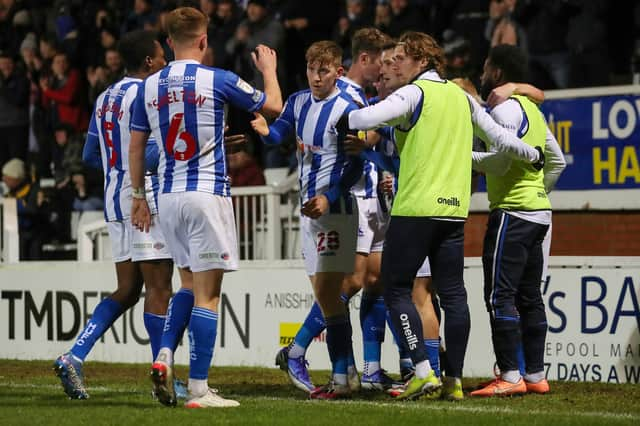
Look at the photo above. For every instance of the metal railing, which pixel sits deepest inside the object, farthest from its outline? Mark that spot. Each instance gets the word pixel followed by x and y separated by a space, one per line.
pixel 267 224
pixel 266 217
pixel 9 237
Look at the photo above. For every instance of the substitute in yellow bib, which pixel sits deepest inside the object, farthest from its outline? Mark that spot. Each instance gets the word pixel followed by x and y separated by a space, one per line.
pixel 434 122
pixel 519 220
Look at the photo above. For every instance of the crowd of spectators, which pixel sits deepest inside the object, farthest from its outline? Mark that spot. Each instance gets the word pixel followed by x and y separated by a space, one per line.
pixel 56 56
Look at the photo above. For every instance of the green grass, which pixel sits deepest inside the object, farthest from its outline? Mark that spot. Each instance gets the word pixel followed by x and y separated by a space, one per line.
pixel 120 394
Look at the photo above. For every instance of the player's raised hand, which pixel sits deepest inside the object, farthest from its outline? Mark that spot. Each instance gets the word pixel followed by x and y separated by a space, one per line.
pixel 264 58
pixel 259 124
pixel 315 207
pixel 140 214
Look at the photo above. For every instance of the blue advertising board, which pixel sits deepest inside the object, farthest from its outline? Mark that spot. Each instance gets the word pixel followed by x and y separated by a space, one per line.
pixel 600 137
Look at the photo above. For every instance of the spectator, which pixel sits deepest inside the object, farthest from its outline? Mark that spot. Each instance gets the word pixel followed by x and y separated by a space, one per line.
pixel 67 35
pixel 107 71
pixel 382 17
pixel 468 19
pixel 113 62
pixel 405 17
pixel 14 110
pixel 8 38
pixel 141 15
pixel 48 49
pixel 88 192
pixel 258 28
pixel 501 28
pixel 208 7
pixel 221 28
pixel 545 24
pixel 457 51
pixel 62 94
pixel 587 42
pixel 30 57
pixel 32 216
pixel 67 158
pixel 351 21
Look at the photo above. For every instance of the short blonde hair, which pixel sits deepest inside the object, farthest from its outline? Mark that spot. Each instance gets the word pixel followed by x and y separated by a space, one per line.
pixel 324 52
pixel 185 24
pixel 422 46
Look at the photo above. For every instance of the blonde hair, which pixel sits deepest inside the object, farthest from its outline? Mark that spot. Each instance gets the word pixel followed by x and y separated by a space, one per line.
pixel 185 24
pixel 324 52
pixel 422 46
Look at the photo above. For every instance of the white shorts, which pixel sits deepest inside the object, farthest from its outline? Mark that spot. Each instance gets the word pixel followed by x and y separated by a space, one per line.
pixel 372 225
pixel 149 245
pixel 425 269
pixel 329 243
pixel 120 238
pixel 200 230
pixel 128 243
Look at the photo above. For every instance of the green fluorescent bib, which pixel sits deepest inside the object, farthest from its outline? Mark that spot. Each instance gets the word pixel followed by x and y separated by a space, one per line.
pixel 435 155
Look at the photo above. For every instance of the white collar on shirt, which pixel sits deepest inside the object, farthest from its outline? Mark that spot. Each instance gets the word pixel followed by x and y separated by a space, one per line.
pixel 430 75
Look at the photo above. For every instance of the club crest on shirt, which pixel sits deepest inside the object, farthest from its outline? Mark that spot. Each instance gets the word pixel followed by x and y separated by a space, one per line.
pixel 244 86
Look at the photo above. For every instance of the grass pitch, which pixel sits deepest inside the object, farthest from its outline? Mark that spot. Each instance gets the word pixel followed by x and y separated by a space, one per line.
pixel 30 394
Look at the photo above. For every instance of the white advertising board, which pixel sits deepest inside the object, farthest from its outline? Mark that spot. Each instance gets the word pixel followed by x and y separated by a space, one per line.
pixel 592 308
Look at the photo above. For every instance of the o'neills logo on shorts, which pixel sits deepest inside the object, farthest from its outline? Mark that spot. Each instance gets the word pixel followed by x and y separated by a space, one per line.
pixel 412 340
pixel 158 246
pixel 452 201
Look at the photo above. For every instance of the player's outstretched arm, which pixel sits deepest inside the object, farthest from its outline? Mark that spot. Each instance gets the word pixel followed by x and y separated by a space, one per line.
pixel 265 60
pixel 501 139
pixel 502 93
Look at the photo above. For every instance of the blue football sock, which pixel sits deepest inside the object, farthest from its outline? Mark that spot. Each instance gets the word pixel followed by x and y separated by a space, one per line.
pixel 202 338
pixel 372 321
pixel 154 324
pixel 433 353
pixel 105 314
pixel 178 315
pixel 313 325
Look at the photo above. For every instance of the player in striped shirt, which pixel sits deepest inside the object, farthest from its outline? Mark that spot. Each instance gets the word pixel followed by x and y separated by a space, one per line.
pixel 366 47
pixel 139 257
pixel 183 107
pixel 329 222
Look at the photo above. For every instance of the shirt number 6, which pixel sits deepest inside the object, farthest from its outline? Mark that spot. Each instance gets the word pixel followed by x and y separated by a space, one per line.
pixel 188 139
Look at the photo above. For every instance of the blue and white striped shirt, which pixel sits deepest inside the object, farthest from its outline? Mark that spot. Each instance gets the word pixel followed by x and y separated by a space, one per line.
pixel 183 106
pixel 109 134
pixel 323 166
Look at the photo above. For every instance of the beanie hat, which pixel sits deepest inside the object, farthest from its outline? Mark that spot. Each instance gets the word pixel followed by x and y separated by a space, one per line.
pixel 14 168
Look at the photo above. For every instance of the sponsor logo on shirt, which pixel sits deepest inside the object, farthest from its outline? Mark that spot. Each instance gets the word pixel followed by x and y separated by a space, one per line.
pixel 451 201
